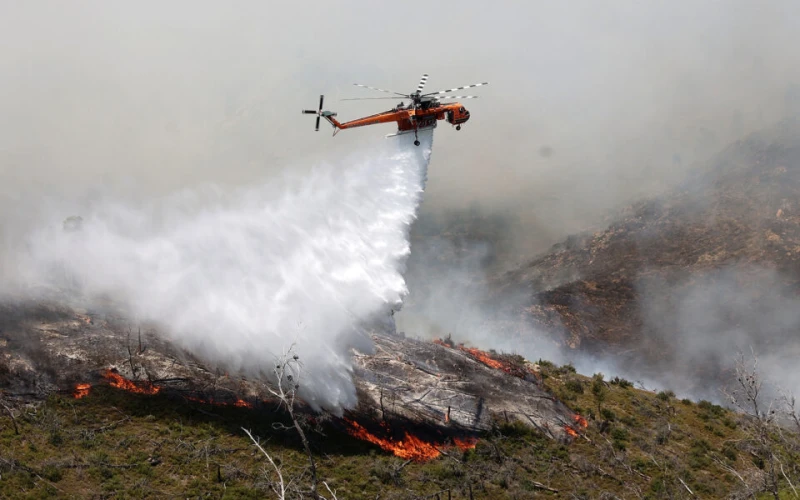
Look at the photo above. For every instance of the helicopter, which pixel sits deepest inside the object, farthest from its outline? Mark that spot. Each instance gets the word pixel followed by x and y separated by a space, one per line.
pixel 421 113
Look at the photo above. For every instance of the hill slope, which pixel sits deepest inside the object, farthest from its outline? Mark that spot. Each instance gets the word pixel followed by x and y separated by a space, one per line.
pixel 714 266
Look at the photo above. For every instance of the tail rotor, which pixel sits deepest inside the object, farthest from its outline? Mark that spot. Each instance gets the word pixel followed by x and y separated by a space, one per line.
pixel 318 112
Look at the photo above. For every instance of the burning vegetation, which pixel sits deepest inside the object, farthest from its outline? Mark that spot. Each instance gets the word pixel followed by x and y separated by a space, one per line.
pixel 409 447
pixel 509 363
pixel 120 382
pixel 148 388
pixel 579 425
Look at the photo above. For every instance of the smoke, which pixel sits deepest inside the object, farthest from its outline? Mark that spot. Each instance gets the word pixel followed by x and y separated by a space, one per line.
pixel 236 277
pixel 590 106
pixel 451 293
pixel 699 326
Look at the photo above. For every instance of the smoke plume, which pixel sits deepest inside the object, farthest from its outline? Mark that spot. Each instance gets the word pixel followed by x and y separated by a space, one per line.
pixel 236 277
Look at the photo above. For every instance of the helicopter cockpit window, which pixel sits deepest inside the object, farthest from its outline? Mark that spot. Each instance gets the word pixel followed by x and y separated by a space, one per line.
pixel 461 109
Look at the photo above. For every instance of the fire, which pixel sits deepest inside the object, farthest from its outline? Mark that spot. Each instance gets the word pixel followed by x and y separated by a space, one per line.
pixel 466 443
pixel 485 358
pixel 81 390
pixel 410 447
pixel 580 422
pixel 120 382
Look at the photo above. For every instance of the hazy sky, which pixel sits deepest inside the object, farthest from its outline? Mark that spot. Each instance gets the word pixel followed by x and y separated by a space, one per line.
pixel 147 97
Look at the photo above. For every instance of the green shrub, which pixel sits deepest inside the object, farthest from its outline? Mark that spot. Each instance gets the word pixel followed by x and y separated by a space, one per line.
pixel 729 452
pixel 619 434
pixel 625 384
pixel 568 368
pixel 665 395
pixel 574 385
pixel 546 364
pixel 52 473
pixel 608 414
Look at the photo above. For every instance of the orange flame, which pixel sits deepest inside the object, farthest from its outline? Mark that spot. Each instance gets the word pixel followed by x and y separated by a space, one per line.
pixel 81 390
pixel 120 382
pixel 580 421
pixel 485 358
pixel 410 447
pixel 570 431
pixel 466 443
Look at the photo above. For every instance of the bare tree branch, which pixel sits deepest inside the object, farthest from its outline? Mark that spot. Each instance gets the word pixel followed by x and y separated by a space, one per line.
pixel 287 382
pixel 282 493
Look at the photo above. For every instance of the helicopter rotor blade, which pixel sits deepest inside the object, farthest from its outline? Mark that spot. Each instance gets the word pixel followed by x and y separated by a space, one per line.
pixel 320 104
pixel 317 127
pixel 371 98
pixel 456 97
pixel 422 82
pixel 380 90
pixel 457 88
pixel 310 112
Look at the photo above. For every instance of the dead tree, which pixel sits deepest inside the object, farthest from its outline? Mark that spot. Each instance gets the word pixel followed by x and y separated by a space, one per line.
pixel 287 382
pixel 746 395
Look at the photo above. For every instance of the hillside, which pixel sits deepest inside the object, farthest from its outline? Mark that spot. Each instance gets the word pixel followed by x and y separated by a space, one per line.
pixel 114 443
pixel 719 256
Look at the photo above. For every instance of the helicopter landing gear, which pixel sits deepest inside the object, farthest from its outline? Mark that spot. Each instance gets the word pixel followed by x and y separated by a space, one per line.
pixel 416 143
pixel 416 139
pixel 458 127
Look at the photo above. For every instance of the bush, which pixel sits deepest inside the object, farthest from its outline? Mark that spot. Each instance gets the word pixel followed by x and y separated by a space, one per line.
pixel 545 364
pixel 729 452
pixel 729 423
pixel 665 395
pixel 608 414
pixel 52 473
pixel 698 454
pixel 619 434
pixel 625 384
pixel 687 402
pixel 574 385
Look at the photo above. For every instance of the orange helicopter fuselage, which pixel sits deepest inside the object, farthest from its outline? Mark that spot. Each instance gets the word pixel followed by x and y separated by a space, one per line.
pixel 409 119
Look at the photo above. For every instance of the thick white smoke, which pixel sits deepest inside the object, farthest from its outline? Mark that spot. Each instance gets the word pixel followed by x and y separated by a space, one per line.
pixel 236 278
